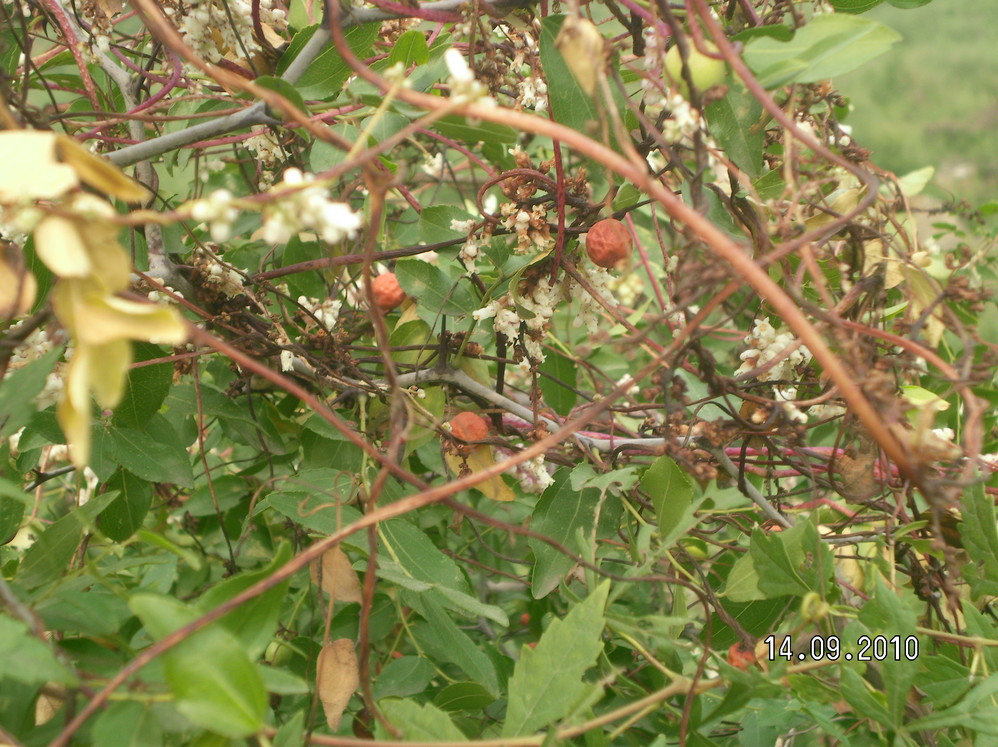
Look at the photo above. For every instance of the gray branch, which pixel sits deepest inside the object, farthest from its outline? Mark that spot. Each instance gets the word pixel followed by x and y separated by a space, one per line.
pixel 257 114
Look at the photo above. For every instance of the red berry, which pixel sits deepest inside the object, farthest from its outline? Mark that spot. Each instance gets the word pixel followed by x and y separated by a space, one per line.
pixel 525 619
pixel 468 426
pixel 740 658
pixel 608 242
pixel 387 292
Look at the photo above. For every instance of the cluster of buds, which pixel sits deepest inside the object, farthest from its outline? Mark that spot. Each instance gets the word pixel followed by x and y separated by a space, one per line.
pixel 216 28
pixel 464 87
pixel 306 207
pixel 766 344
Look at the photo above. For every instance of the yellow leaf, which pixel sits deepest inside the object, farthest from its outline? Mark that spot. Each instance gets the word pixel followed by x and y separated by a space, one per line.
pixel 18 287
pixel 581 46
pixel 480 458
pixel 337 577
pixel 109 370
pixel 924 294
pixel 839 203
pixel 61 246
pixel 73 412
pixel 873 255
pixel 96 318
pixel 98 173
pixel 31 170
pixel 336 679
pixel 81 247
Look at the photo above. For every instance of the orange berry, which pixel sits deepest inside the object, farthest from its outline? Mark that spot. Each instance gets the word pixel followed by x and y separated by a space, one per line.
pixel 740 658
pixel 387 292
pixel 469 427
pixel 608 242
pixel 525 619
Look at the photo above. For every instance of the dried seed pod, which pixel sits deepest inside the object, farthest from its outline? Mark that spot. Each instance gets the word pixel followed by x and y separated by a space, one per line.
pixel 387 292
pixel 608 242
pixel 469 427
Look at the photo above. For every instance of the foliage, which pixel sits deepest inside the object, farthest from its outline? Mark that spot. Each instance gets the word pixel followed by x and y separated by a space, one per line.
pixel 734 485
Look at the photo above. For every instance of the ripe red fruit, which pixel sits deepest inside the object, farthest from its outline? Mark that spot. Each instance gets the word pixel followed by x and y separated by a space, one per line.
pixel 608 242
pixel 387 292
pixel 740 658
pixel 525 619
pixel 469 427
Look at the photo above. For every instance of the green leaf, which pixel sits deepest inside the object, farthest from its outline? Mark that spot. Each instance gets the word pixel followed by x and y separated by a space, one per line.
pixel 128 724
pixel 459 128
pixel 295 46
pixel 567 516
pixel 672 492
pixel 736 122
pixel 215 684
pixel 980 539
pixel 865 701
pixel 439 292
pixel 46 560
pixel 440 638
pixel 419 723
pixel 325 77
pixel 26 659
pixel 285 89
pixel 92 612
pixel 463 696
pixel 548 681
pixel 908 4
pixel 409 675
pixel 854 6
pixel 17 395
pixel 830 45
pixel 570 105
pixel 154 454
pixel 12 500
pixel 793 561
pixel 292 733
pixel 254 622
pixel 146 387
pixel 418 556
pixel 125 514
pixel 409 49
pixel 742 584
pixel 435 220
pixel 886 614
pixel 557 382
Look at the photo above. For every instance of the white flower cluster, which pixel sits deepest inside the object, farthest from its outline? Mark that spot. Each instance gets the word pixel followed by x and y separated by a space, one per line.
pixel 599 278
pixel 268 152
pixel 522 223
pixel 307 208
pixel 464 87
pixel 627 288
pixel 212 30
pixel 327 312
pixel 785 396
pixel 224 278
pixel 684 122
pixel 35 345
pixel 533 475
pixel 219 212
pixel 533 94
pixel 651 84
pixel 766 343
pixel 469 251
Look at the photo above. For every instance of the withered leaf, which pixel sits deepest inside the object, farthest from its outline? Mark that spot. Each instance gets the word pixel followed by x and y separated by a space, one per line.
pixel 336 679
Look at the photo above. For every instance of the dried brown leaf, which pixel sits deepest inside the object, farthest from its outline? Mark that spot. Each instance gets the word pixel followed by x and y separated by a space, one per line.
pixel 336 576
pixel 336 679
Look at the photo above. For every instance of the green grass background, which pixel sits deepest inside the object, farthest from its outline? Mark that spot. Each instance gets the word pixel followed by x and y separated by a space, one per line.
pixel 933 99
